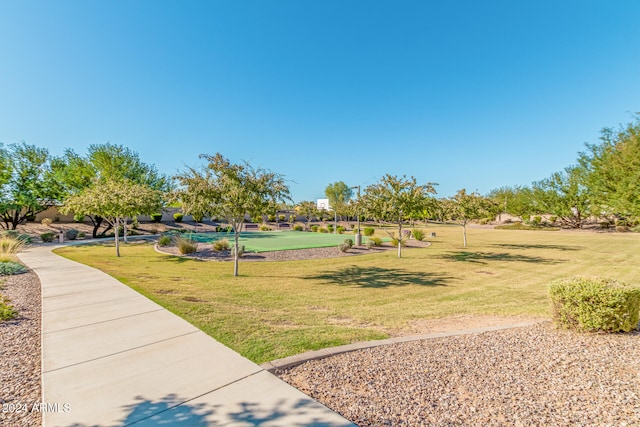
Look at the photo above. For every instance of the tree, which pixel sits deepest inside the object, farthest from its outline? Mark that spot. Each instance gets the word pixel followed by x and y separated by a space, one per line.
pixel 517 201
pixel 613 168
pixel 27 185
pixel 465 207
pixel 230 191
pixel 339 195
pixel 566 195
pixel 395 199
pixel 104 162
pixel 308 209
pixel 114 200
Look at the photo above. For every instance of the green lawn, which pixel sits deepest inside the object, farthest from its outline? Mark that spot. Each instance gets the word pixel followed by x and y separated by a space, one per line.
pixel 275 310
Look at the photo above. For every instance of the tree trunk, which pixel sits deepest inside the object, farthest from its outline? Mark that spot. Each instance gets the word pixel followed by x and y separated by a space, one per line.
pixel 399 239
pixel 124 223
pixel 117 236
pixel 235 251
pixel 464 235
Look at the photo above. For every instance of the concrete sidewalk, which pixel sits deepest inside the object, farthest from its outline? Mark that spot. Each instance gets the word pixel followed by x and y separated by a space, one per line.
pixel 111 357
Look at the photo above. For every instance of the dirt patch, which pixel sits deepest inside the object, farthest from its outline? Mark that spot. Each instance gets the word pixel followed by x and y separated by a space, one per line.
pixel 461 322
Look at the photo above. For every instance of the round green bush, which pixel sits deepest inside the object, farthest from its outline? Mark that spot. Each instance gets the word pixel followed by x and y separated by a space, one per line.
pixel 47 237
pixel 595 304
pixel 298 227
pixel 178 216
pixel 344 247
pixel 348 242
pixel 164 240
pixel 368 231
pixel 315 228
pixel 157 217
pixel 71 234
pixel 340 229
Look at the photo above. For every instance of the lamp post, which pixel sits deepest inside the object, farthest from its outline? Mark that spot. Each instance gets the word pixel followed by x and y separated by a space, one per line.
pixel 358 236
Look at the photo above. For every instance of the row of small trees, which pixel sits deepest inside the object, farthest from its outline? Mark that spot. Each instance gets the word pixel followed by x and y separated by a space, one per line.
pixel 605 183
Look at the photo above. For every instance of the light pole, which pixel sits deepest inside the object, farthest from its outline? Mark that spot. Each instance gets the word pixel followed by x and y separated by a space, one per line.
pixel 358 236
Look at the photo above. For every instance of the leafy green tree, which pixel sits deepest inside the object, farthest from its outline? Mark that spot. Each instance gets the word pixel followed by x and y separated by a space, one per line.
pixel 114 200
pixel 231 191
pixel 395 199
pixel 613 168
pixel 517 201
pixel 566 195
pixel 27 185
pixel 308 209
pixel 105 162
pixel 339 195
pixel 466 207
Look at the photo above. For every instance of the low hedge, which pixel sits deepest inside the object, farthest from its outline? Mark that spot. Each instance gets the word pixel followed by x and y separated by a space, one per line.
pixel 595 304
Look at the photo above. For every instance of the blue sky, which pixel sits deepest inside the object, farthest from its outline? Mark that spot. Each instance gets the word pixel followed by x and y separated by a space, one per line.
pixel 468 94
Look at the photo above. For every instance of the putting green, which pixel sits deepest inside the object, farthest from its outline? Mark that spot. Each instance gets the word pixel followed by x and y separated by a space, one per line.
pixel 265 241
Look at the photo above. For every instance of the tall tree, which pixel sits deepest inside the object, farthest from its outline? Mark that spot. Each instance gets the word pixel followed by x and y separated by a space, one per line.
pixel 339 195
pixel 614 170
pixel 465 207
pixel 105 162
pixel 517 201
pixel 395 199
pixel 114 200
pixel 27 185
pixel 230 191
pixel 566 195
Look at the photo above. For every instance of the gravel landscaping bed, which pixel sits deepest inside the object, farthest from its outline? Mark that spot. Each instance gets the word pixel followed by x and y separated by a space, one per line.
pixel 20 367
pixel 531 376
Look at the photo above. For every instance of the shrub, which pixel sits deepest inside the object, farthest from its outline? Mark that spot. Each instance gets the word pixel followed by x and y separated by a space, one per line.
pixel 375 241
pixel 157 217
pixel 553 219
pixel 536 220
pixel 264 227
pixel 221 245
pixel 164 240
pixel 323 230
pixel 418 234
pixel 595 304
pixel 314 228
pixel 46 221
pixel 178 216
pixel 330 228
pixel 71 234
pixel 9 268
pixel 272 218
pixel 78 218
pixel 340 229
pixel 9 247
pixel 348 242
pixel 197 217
pixel 10 234
pixel 281 218
pixel 25 239
pixel 395 241
pixel 298 227
pixel 47 237
pixel 185 246
pixel 605 224
pixel 368 231
pixel 6 309
pixel 82 235
pixel 344 247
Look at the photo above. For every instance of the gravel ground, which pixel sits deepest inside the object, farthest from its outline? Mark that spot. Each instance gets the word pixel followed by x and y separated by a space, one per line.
pixel 20 367
pixel 532 376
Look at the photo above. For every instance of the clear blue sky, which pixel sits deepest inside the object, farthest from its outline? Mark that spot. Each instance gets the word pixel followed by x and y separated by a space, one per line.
pixel 473 94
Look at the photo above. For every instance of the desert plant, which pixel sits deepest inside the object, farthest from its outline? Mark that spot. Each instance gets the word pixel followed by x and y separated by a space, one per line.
pixel 375 241
pixel 395 241
pixel 164 240
pixel 595 304
pixel 9 268
pixel 185 246
pixel 156 217
pixel 344 247
pixel 330 228
pixel 340 229
pixel 323 230
pixel 178 216
pixel 82 235
pixel 369 231
pixel 281 218
pixel 298 227
pixel 264 227
pixel 47 237
pixel 418 234
pixel 9 247
pixel 71 234
pixel 221 244
pixel 6 309
pixel 272 218
pixel 536 220
pixel 315 228
pixel 348 242
pixel 46 221
pixel 553 219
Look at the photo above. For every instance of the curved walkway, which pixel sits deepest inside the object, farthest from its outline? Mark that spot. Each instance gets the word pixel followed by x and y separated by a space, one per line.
pixel 111 357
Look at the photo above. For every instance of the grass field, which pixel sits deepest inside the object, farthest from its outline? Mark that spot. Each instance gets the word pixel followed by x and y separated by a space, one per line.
pixel 263 241
pixel 278 309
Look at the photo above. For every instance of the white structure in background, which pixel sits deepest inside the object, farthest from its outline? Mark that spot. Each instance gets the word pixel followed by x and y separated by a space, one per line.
pixel 323 205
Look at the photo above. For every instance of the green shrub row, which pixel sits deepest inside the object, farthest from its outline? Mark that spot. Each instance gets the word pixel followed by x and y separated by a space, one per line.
pixel 595 304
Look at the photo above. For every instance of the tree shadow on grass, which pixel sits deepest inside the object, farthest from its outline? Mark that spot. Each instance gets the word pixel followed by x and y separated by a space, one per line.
pixel 376 277
pixel 539 246
pixel 485 257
